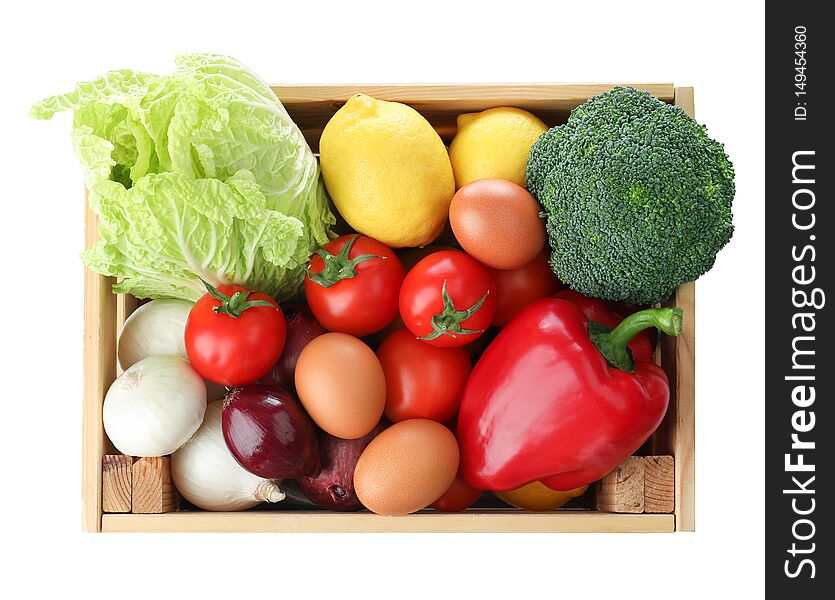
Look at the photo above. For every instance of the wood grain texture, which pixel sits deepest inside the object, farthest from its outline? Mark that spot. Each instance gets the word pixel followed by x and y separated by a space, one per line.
pixel 622 490
pixel 312 106
pixel 116 483
pixel 303 521
pixel 153 488
pixel 659 484
pixel 685 391
pixel 99 373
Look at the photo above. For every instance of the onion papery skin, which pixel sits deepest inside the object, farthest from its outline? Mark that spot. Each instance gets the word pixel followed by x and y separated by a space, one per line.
pixel 268 432
pixel 154 407
pixel 207 475
pixel 333 486
pixel 152 329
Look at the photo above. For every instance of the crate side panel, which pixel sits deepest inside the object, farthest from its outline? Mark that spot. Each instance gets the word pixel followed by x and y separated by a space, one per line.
pixel 676 436
pixel 298 522
pixel 99 373
pixel 311 106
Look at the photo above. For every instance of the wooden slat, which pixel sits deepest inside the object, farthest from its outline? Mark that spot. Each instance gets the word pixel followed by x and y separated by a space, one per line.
pixel 465 96
pixel 685 346
pixel 659 484
pixel 497 521
pixel 682 440
pixel 622 490
pixel 116 483
pixel 99 373
pixel 153 488
pixel 312 106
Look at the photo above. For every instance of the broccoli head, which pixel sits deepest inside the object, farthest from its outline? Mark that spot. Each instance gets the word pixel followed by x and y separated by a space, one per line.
pixel 636 194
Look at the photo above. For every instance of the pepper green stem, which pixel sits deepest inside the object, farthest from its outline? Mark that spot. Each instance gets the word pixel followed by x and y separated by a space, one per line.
pixel 613 344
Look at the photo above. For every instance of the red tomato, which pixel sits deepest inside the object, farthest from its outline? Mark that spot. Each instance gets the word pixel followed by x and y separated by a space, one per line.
pixel 448 299
pixel 352 285
pixel 422 381
pixel 516 288
pixel 458 497
pixel 233 336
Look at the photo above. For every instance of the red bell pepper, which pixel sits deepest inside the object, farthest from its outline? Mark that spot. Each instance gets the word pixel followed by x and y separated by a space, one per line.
pixel 558 397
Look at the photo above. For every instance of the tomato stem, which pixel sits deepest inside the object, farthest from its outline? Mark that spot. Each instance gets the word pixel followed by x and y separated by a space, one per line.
pixel 233 305
pixel 339 266
pixel 449 321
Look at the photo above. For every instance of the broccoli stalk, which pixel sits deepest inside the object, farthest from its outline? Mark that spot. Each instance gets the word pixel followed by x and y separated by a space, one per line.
pixel 637 197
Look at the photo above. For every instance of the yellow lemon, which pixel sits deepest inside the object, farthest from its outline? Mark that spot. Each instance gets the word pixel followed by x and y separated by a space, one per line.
pixel 494 144
pixel 539 497
pixel 387 171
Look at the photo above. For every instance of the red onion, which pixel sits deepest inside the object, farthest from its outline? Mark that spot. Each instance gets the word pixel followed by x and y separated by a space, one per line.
pixel 333 486
pixel 268 432
pixel 302 327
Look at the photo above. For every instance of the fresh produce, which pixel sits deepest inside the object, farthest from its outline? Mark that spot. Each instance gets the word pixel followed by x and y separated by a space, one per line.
pixel 494 144
pixel 352 285
pixel 516 288
pixel 448 299
pixel 197 175
pixel 341 385
pixel 207 475
pixel 538 497
pixel 153 328
pixel 268 433
pixel 587 404
pixel 387 171
pixel 154 407
pixel 407 467
pixel 234 336
pixel 422 381
pixel 497 222
pixel 637 197
pixel 201 181
pixel 333 486
pixel 302 327
pixel 459 496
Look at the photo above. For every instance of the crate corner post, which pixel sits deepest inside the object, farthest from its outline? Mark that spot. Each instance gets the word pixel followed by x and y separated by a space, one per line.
pixel 99 373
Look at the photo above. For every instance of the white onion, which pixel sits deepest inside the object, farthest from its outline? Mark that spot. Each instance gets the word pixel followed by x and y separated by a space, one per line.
pixel 207 475
pixel 154 328
pixel 155 406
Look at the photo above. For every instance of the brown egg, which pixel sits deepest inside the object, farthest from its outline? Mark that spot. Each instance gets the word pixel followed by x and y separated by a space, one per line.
pixel 407 467
pixel 497 223
pixel 341 385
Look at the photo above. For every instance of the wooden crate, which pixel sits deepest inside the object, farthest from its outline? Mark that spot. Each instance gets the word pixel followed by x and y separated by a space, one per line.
pixel 311 106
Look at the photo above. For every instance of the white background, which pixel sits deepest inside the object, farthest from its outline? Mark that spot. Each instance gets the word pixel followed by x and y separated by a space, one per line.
pixel 715 46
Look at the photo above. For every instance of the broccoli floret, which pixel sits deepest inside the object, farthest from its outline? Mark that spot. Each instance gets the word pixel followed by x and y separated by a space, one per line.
pixel 637 197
